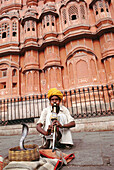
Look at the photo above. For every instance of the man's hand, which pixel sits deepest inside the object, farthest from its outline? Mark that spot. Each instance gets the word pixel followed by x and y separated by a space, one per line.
pixel 49 130
pixel 57 123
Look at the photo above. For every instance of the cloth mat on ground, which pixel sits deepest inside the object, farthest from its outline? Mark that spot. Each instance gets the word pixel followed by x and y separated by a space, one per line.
pixel 48 161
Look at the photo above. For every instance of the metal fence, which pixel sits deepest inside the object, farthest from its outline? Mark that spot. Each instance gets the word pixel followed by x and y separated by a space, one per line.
pixel 84 102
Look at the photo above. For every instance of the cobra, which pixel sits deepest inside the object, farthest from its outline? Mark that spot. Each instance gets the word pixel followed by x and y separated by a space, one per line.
pixel 24 134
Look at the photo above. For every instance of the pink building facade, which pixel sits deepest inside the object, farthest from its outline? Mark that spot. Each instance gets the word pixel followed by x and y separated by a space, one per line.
pixel 51 43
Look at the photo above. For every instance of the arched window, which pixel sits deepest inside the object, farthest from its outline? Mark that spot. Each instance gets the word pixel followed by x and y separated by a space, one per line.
pixel 14 29
pixel 64 16
pixel 28 26
pixel 14 72
pixel 43 21
pixel 25 28
pixel 101 5
pixel 106 5
pixel 73 13
pixel 5 30
pixel 52 20
pixel 47 20
pixel 96 9
pixel 82 11
pixel 33 26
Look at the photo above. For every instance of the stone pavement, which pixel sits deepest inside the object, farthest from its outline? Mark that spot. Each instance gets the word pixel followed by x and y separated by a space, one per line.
pixel 93 150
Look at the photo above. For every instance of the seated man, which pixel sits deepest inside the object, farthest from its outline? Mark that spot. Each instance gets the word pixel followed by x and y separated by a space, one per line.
pixel 63 122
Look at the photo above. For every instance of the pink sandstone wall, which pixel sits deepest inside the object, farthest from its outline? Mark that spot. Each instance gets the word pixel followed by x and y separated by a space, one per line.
pixel 51 43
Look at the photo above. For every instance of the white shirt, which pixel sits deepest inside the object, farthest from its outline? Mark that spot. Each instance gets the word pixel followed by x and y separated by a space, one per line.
pixel 64 117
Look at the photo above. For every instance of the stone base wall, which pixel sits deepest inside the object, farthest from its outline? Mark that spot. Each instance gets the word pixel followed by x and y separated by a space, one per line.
pixel 87 124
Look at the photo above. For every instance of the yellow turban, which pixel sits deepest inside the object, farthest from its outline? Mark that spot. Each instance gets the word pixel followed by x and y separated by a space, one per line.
pixel 54 92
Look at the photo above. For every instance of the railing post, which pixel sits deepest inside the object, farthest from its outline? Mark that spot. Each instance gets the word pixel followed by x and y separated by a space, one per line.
pixel 89 100
pixel 11 109
pixel 104 99
pixel 22 105
pixel 94 100
pixel 99 100
pixel 30 106
pixel 109 98
pixel 76 103
pixel 7 109
pixel 4 111
pixel 18 109
pixel 85 100
pixel 71 101
pixel 80 103
pixel 37 105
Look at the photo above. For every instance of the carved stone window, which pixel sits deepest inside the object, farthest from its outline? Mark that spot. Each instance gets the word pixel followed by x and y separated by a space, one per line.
pixel 14 85
pixel 43 21
pixel 52 20
pixel 4 73
pixel 4 30
pixel 101 5
pixel 33 26
pixel 73 13
pixel 106 5
pixel 82 10
pixel 14 72
pixel 64 16
pixel 28 26
pixel 3 85
pixel 96 9
pixel 47 20
pixel 14 29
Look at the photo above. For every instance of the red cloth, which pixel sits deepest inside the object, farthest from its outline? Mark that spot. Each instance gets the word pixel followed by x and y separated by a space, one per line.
pixel 49 154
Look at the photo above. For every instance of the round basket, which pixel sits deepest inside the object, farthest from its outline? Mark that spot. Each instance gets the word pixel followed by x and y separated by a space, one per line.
pixel 31 154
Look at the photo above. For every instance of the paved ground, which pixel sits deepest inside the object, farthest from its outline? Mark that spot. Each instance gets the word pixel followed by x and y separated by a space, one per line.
pixel 93 150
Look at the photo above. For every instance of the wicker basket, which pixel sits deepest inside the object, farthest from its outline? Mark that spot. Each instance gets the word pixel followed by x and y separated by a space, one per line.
pixel 31 154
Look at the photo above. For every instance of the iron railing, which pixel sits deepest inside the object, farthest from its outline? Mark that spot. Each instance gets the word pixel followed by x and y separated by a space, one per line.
pixel 82 103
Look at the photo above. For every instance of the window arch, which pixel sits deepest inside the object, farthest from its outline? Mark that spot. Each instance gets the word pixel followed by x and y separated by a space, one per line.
pixel 73 13
pixel 96 9
pixel 82 11
pixel 28 26
pixel 33 26
pixel 64 16
pixel 14 29
pixel 52 20
pixel 4 30
pixel 47 20
pixel 106 5
pixel 101 6
pixel 43 21
pixel 14 72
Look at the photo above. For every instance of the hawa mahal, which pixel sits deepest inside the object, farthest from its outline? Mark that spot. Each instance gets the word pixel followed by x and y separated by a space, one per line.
pixel 55 43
